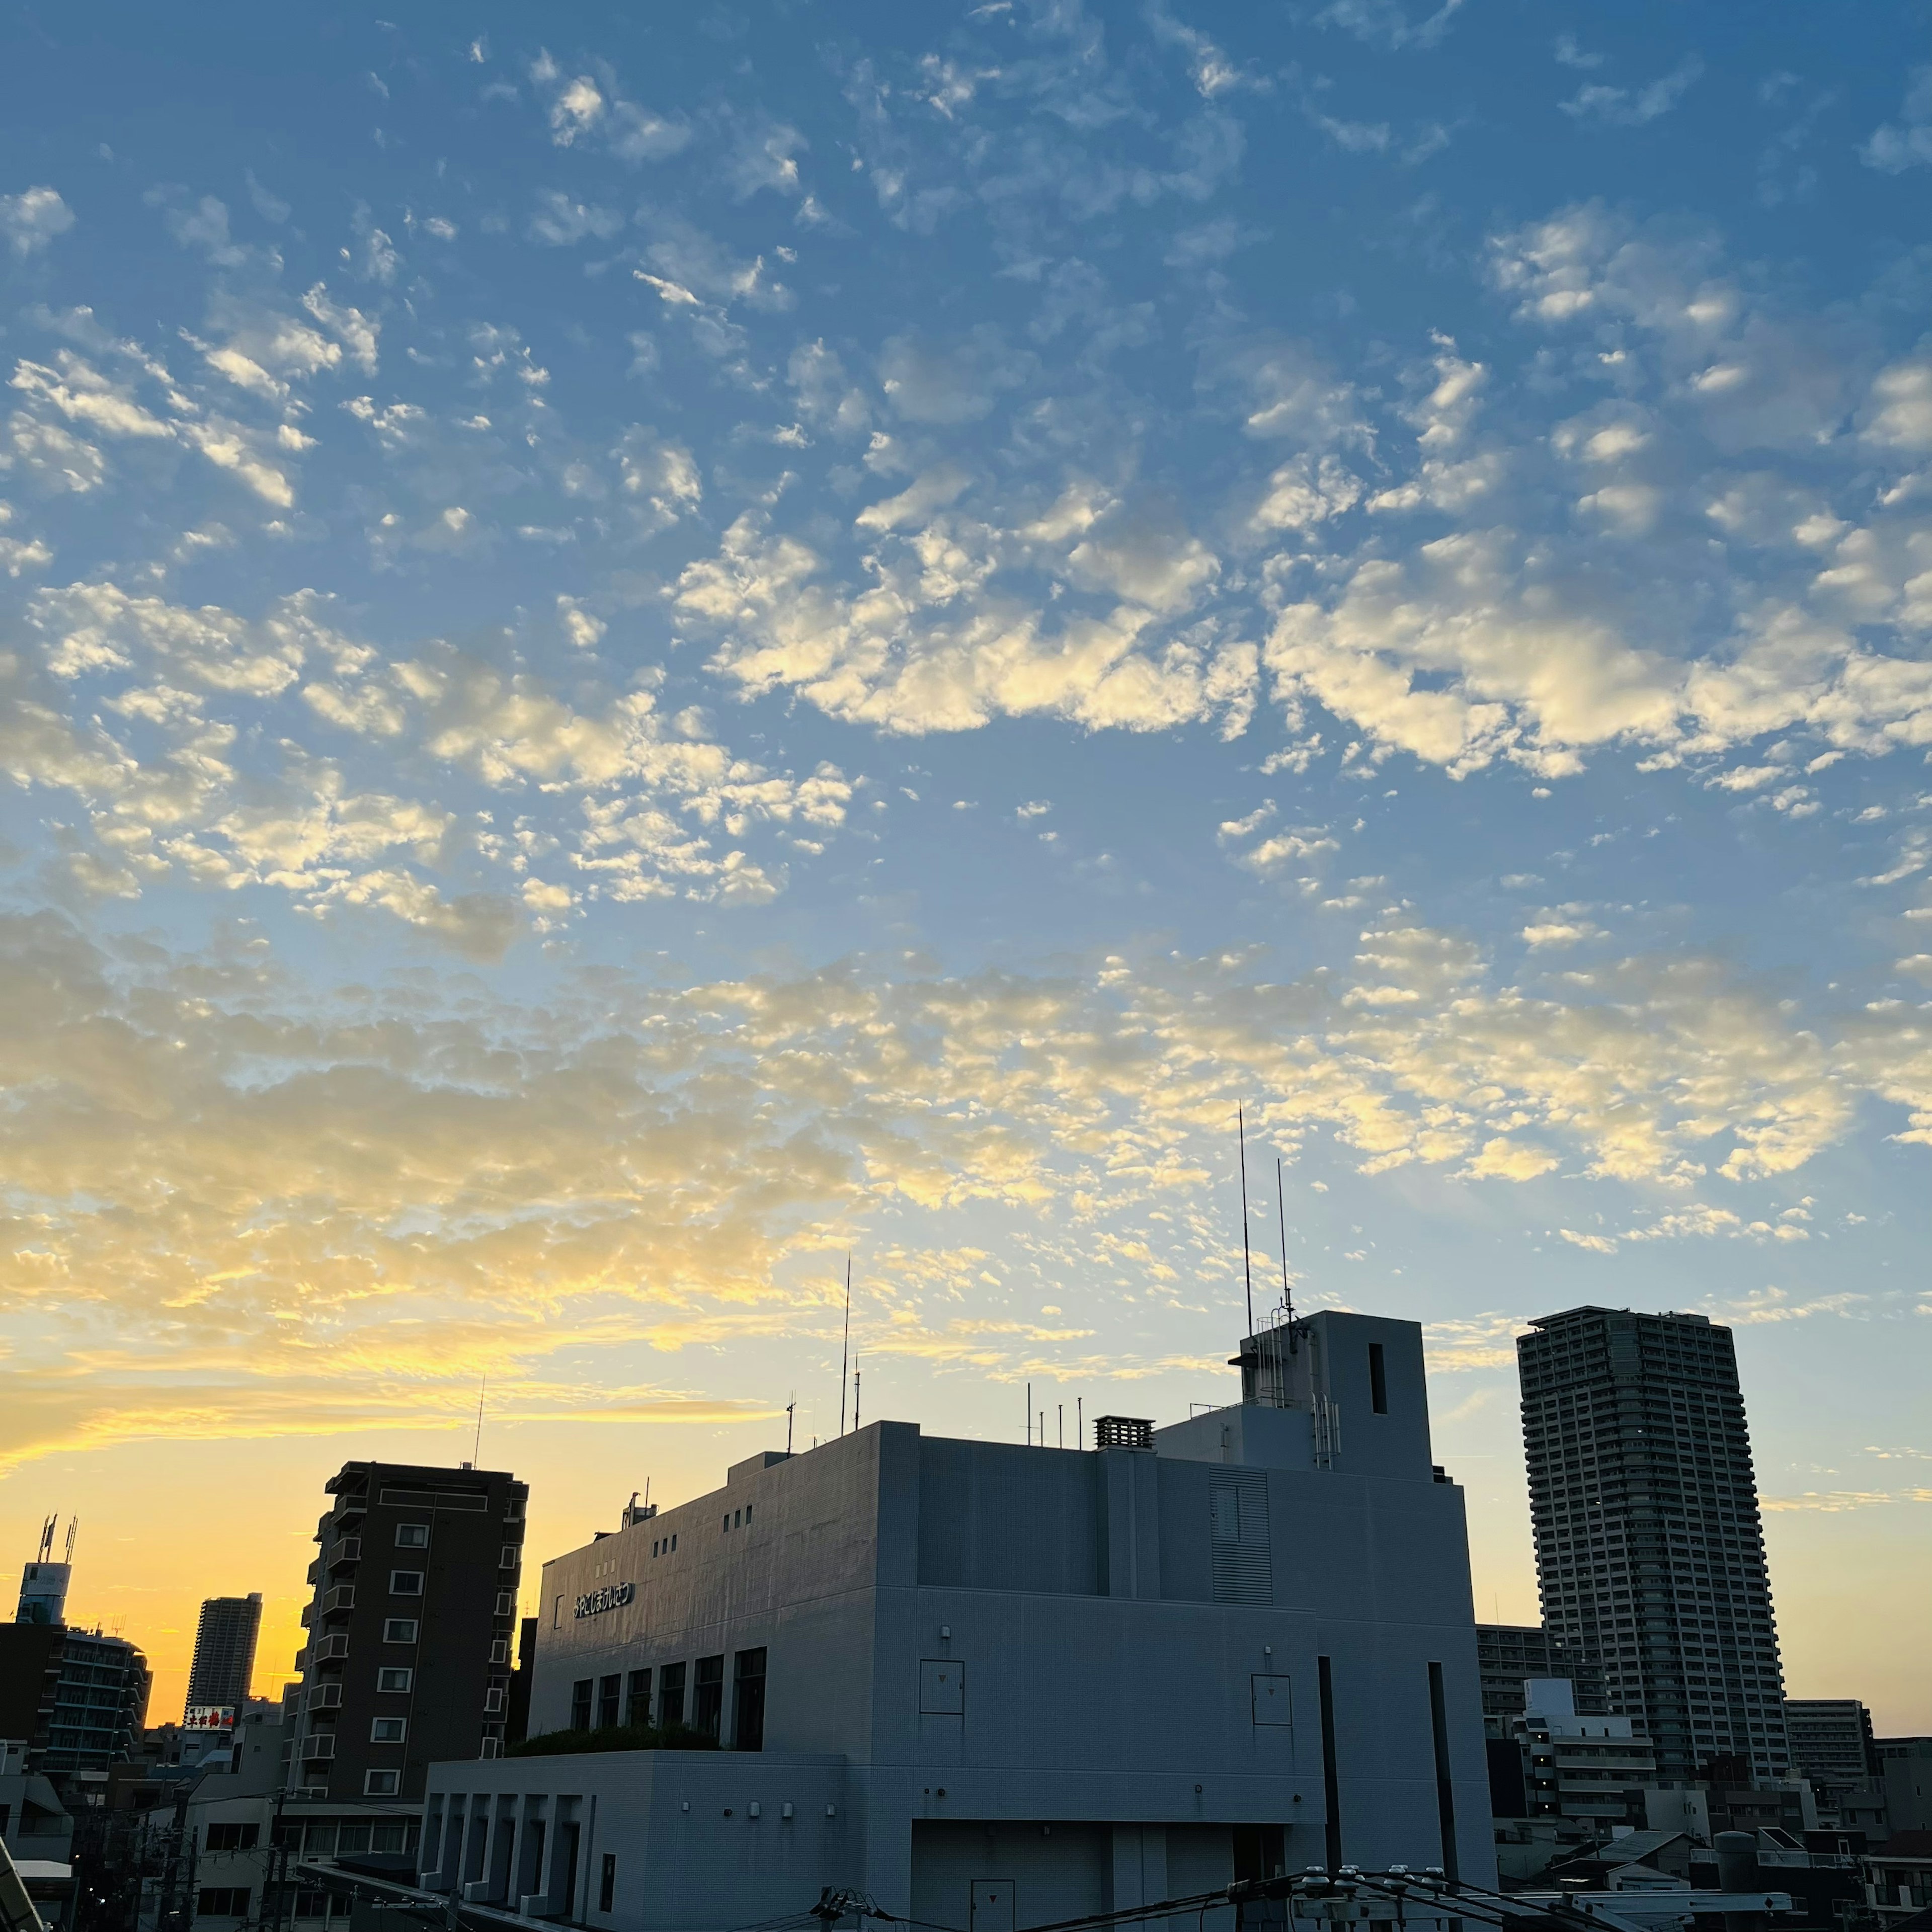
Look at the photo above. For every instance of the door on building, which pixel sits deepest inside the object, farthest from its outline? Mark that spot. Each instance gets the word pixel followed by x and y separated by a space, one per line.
pixel 992 1906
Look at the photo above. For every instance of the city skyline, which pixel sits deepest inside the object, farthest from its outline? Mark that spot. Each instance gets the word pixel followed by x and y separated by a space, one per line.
pixel 636 656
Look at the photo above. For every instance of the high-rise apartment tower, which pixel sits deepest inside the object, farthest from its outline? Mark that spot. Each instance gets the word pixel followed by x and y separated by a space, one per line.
pixel 1649 1550
pixel 408 1657
pixel 224 1653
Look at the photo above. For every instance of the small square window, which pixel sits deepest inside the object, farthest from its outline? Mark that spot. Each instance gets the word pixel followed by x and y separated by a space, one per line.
pixel 493 1698
pixel 388 1730
pixel 406 1582
pixel 394 1677
pixel 381 1784
pixel 747 1512
pixel 399 1630
pixel 506 1602
pixel 512 1555
pixel 412 1536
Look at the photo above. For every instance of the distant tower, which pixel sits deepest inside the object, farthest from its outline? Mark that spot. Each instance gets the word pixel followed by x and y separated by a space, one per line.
pixel 1649 1550
pixel 43 1582
pixel 224 1653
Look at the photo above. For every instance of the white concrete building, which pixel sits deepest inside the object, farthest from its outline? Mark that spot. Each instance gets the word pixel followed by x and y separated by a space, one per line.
pixel 996 1686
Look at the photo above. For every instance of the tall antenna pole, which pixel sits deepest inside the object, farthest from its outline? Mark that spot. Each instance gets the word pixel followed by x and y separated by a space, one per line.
pixel 1281 1215
pixel 790 1407
pixel 1247 1273
pixel 73 1530
pixel 845 1353
pixel 476 1450
pixel 1029 1415
pixel 856 1374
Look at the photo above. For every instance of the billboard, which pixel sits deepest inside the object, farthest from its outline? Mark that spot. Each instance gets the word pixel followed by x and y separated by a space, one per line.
pixel 209 1717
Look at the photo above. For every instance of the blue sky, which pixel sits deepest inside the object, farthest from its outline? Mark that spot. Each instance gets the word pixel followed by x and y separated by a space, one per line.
pixel 639 650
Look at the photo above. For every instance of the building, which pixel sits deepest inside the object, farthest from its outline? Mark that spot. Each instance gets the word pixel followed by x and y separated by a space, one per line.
pixel 1508 1655
pixel 223 1665
pixel 1905 1769
pixel 1831 1740
pixel 1591 1770
pixel 1898 1879
pixel 998 1685
pixel 408 1656
pixel 1649 1550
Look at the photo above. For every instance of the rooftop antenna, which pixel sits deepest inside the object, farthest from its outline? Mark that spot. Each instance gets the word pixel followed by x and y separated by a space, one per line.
pixel 73 1530
pixel 1247 1273
pixel 1281 1215
pixel 46 1553
pixel 476 1452
pixel 855 1402
pixel 790 1407
pixel 845 1353
pixel 1029 1415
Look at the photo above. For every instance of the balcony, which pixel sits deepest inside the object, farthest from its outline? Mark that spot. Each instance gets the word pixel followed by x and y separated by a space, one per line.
pixel 339 1600
pixel 345 1549
pixel 325 1697
pixel 317 1746
pixel 352 1504
pixel 331 1648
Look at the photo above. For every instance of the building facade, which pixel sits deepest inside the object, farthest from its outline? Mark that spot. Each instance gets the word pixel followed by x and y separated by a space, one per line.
pixel 1649 1547
pixel 77 1699
pixel 223 1665
pixel 1905 1770
pixel 1509 1655
pixel 409 1629
pixel 991 1684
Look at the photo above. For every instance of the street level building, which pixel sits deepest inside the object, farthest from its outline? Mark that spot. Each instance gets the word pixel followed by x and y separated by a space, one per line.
pixel 223 1666
pixel 998 1685
pixel 409 1629
pixel 1649 1548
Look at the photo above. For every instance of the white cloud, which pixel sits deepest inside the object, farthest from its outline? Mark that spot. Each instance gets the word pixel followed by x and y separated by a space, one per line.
pixel 930 382
pixel 32 218
pixel 1907 142
pixel 1634 107
pixel 561 223
pixel 659 478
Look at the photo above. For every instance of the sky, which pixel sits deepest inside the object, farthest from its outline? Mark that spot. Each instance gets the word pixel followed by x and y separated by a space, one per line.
pixel 641 648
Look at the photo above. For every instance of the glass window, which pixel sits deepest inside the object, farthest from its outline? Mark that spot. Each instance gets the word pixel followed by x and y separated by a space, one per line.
pixel 580 1704
pixel 388 1730
pixel 670 1695
pixel 406 1582
pixel 707 1696
pixel 381 1784
pixel 512 1555
pixel 609 1691
pixel 222 1901
pixel 748 1704
pixel 399 1630
pixel 638 1698
pixel 394 1677
pixel 412 1536
pixel 606 1883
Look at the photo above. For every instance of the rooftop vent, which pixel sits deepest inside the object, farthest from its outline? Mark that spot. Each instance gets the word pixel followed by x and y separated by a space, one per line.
pixel 1122 1431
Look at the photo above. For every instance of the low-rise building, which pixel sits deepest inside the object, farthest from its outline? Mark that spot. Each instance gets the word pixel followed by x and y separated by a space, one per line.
pixel 1591 1770
pixel 1905 1769
pixel 1002 1685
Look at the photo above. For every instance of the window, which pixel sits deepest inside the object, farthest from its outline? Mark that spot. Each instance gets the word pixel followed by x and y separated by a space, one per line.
pixel 388 1730
pixel 707 1696
pixel 222 1901
pixel 580 1704
pixel 506 1602
pixel 394 1677
pixel 412 1536
pixel 513 1510
pixel 748 1704
pixel 399 1630
pixel 406 1582
pixel 556 1615
pixel 606 1883
pixel 381 1784
pixel 638 1698
pixel 670 1695
pixel 499 1651
pixel 493 1698
pixel 1378 1380
pixel 512 1555
pixel 747 1512
pixel 233 1837
pixel 608 1690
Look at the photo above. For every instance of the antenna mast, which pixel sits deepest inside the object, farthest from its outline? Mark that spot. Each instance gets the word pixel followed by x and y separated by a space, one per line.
pixel 845 1353
pixel 1247 1273
pixel 46 1551
pixel 790 1407
pixel 73 1530
pixel 476 1450
pixel 1281 1215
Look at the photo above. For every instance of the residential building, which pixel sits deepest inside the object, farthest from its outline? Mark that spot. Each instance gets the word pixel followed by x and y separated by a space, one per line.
pixel 34 1824
pixel 1649 1548
pixel 408 1656
pixel 1509 1654
pixel 1905 1769
pixel 1590 1769
pixel 1831 1740
pixel 1898 1878
pixel 75 1699
pixel 223 1666
pixel 994 1685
